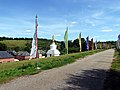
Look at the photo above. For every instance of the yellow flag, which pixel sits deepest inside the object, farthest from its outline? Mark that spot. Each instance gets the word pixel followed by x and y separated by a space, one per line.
pixel 66 39
pixel 80 43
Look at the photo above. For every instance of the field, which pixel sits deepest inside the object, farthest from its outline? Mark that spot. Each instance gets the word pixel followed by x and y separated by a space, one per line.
pixel 20 45
pixel 12 70
pixel 14 43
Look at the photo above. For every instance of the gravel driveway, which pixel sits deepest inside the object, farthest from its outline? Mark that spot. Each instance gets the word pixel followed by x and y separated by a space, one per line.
pixel 85 74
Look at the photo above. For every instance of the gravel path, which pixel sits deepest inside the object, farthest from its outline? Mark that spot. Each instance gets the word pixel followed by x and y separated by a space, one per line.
pixel 85 74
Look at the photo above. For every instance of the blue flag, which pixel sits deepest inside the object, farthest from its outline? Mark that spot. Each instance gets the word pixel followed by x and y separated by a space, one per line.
pixel 119 37
pixel 118 42
pixel 87 43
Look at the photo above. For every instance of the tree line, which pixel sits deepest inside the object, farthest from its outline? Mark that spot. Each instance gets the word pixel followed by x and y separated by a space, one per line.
pixel 11 38
pixel 44 44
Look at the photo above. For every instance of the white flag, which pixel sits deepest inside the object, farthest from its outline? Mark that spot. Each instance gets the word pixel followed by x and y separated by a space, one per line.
pixel 96 44
pixel 33 49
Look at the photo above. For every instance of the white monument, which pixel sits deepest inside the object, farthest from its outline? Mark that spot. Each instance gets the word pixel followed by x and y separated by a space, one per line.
pixel 53 49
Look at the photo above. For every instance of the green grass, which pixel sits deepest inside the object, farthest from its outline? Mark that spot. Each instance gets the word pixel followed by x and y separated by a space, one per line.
pixel 116 62
pixel 13 43
pixel 112 81
pixel 21 44
pixel 12 70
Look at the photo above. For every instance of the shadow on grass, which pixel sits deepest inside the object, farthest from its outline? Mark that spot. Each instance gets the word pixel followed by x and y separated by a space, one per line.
pixel 112 81
pixel 85 80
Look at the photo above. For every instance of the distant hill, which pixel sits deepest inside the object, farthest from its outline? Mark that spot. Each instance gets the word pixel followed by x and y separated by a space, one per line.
pixel 15 43
pixel 23 44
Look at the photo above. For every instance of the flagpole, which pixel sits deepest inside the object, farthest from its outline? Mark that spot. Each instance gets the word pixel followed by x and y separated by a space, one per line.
pixel 36 26
pixel 37 55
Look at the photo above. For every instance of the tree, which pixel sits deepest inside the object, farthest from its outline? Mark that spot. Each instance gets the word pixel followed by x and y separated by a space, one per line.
pixel 27 46
pixel 76 47
pixel 62 47
pixel 83 44
pixel 70 44
pixel 3 47
pixel 17 48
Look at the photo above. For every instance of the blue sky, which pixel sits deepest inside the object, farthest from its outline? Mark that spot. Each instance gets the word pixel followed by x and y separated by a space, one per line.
pixel 98 19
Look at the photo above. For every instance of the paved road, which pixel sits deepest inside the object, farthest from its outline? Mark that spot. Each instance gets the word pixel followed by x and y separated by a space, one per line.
pixel 85 74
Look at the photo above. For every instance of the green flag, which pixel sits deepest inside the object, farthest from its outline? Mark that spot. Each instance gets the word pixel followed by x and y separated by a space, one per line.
pixel 80 42
pixel 53 39
pixel 66 39
pixel 101 45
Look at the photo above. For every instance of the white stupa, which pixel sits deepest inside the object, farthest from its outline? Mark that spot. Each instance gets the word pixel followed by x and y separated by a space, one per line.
pixel 53 49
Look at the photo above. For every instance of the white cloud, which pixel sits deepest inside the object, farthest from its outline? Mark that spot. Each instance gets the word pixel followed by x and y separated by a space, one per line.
pixel 114 8
pixel 42 37
pixel 90 22
pixel 98 14
pixel 71 23
pixel 116 25
pixel 107 30
pixel 74 31
pixel 89 6
pixel 3 35
pixel 58 35
pixel 28 31
pixel 96 36
pixel 105 27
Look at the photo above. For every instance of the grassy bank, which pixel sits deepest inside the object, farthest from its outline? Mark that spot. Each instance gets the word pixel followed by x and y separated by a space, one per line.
pixel 112 81
pixel 12 70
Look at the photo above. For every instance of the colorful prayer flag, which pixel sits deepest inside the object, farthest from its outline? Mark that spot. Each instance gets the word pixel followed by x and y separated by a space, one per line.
pixel 96 44
pixel 92 44
pixel 118 42
pixel 87 43
pixel 66 39
pixel 80 42
pixel 34 49
pixel 101 45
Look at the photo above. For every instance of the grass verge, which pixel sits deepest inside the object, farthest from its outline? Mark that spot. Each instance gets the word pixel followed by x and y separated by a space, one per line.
pixel 112 81
pixel 12 70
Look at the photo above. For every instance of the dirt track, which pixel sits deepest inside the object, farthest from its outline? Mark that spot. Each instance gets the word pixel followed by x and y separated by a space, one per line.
pixel 85 74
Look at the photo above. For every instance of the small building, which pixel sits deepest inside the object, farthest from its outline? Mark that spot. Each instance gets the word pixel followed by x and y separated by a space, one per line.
pixel 12 52
pixel 41 53
pixel 22 55
pixel 6 57
pixel 53 49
